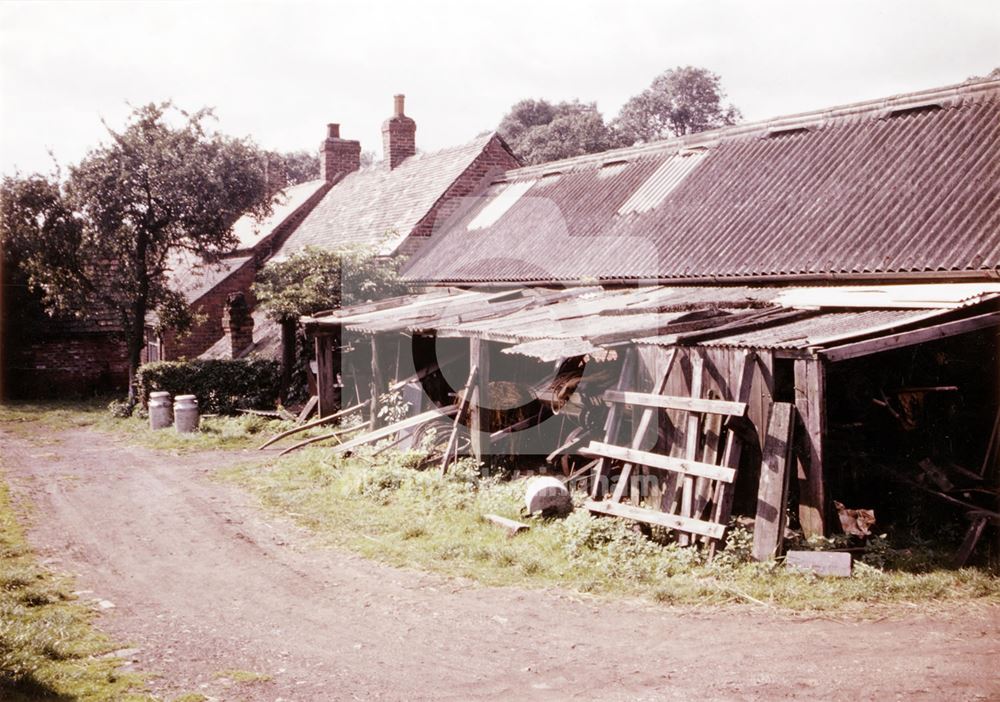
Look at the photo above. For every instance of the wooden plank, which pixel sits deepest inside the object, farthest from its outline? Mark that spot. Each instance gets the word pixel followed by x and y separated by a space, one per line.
pixel 598 449
pixel 693 439
pixel 309 408
pixel 918 336
pixel 463 409
pixel 315 423
pixel 687 404
pixel 671 521
pixel 969 542
pixel 810 401
pixel 479 426
pixel 317 439
pixel 836 563
pixel 390 429
pixel 612 424
pixel 328 366
pixel 508 524
pixel 772 491
pixel 723 500
pixel 640 431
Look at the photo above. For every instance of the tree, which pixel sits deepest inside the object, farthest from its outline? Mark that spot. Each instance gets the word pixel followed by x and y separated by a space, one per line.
pixel 313 280
pixel 292 168
pixel 539 131
pixel 680 101
pixel 103 236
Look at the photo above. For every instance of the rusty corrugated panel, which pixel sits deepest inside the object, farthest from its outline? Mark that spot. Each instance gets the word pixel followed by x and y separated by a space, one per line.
pixel 862 194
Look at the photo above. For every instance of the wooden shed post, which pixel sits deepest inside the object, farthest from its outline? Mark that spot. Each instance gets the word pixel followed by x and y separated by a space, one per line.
pixel 810 401
pixel 328 359
pixel 377 384
pixel 479 425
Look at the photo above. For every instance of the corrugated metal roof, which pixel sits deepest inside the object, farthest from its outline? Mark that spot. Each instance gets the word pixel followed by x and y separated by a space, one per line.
pixel 857 191
pixel 803 333
pixel 555 323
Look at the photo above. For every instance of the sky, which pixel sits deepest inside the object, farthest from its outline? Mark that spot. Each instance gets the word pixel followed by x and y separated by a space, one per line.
pixel 278 72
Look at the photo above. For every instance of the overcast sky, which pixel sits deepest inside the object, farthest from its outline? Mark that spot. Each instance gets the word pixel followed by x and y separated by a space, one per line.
pixel 280 72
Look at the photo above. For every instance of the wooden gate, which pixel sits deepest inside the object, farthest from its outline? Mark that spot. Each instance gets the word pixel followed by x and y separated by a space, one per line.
pixel 697 490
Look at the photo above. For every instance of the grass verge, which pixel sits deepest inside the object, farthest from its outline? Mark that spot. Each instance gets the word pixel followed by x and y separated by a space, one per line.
pixel 385 509
pixel 215 432
pixel 49 649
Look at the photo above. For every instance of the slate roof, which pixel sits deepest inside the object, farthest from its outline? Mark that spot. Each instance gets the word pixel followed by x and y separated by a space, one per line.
pixel 379 206
pixel 192 276
pixel 906 187
pixel 285 204
pixel 266 341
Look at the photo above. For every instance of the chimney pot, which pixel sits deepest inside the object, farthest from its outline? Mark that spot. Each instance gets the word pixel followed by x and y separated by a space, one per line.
pixel 333 131
pixel 398 100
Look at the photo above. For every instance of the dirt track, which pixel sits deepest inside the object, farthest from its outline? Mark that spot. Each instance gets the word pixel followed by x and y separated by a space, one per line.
pixel 203 581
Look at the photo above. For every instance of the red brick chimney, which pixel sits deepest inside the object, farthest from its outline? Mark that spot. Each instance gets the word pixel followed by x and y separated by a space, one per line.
pixel 399 135
pixel 336 155
pixel 237 324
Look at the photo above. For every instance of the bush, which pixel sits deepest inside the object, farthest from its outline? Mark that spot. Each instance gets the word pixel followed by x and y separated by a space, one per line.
pixel 221 386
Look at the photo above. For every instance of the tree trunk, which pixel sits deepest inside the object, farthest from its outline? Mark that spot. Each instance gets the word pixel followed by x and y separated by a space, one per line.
pixel 288 329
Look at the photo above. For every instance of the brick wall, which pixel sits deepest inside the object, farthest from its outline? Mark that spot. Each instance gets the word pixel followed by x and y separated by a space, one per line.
pixel 210 307
pixel 64 366
pixel 494 160
pixel 212 304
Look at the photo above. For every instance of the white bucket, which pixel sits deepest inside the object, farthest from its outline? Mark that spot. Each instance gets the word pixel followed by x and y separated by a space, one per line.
pixel 160 411
pixel 185 414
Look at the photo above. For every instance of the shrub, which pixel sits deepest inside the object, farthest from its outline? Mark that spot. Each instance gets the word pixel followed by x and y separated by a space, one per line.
pixel 221 386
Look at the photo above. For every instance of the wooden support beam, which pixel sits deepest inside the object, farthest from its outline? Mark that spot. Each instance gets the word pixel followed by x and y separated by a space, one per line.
pixel 810 401
pixel 772 492
pixel 671 521
pixel 598 449
pixel 377 385
pixel 612 424
pixel 479 426
pixel 328 360
pixel 688 404
pixel 910 338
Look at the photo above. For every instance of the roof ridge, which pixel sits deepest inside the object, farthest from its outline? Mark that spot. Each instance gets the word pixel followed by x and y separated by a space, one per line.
pixel 951 95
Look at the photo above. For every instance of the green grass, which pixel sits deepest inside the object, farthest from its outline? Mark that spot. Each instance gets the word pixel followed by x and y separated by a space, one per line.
pixel 385 509
pixel 243 676
pixel 49 649
pixel 215 432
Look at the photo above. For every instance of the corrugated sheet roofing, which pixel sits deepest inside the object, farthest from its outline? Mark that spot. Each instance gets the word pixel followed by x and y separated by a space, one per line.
pixel 903 186
pixel 806 332
pixel 379 206
pixel 555 323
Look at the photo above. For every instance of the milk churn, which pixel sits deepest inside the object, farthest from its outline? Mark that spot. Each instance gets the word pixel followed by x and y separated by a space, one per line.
pixel 160 413
pixel 185 413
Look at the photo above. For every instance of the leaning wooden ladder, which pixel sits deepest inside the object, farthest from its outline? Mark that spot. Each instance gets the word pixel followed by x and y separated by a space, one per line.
pixel 698 489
